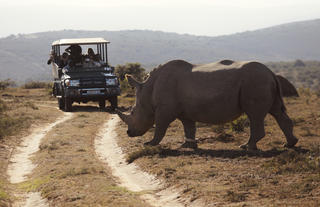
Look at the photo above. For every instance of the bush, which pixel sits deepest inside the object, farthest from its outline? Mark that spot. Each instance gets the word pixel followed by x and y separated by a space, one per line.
pixel 240 124
pixel 6 83
pixel 37 84
pixel 10 124
pixel 133 69
pixel 299 63
pixel 3 106
pixel 6 125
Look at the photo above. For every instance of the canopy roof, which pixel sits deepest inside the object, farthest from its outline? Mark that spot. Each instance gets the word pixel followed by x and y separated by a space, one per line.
pixel 80 41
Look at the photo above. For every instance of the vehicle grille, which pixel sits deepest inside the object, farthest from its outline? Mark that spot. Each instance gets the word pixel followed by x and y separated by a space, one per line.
pixel 92 82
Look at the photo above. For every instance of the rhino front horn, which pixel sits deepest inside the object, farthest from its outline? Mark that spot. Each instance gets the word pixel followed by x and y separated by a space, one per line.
pixel 123 117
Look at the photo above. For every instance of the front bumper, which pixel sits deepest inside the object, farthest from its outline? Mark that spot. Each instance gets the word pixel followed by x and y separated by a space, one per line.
pixel 91 93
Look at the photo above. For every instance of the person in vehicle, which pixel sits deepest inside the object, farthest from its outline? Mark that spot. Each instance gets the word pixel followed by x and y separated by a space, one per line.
pixel 93 56
pixel 51 58
pixel 64 60
pixel 75 54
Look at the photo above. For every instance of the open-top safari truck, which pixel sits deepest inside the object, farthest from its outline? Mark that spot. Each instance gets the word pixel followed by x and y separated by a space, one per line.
pixel 80 76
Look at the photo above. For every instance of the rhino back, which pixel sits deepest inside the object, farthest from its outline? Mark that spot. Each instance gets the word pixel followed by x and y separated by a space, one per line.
pixel 208 93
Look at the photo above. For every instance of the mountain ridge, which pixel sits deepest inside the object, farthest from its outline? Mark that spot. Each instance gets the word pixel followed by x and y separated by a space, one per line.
pixel 23 56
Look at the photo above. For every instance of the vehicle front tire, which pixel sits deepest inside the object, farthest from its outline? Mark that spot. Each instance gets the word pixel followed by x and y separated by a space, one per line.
pixel 61 103
pixel 67 104
pixel 102 104
pixel 114 102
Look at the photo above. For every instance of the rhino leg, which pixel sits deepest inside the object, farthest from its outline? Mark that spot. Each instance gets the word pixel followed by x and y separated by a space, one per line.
pixel 257 132
pixel 284 122
pixel 162 121
pixel 286 125
pixel 190 133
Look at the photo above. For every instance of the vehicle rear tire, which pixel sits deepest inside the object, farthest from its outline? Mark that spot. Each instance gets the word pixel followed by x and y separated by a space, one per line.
pixel 102 104
pixel 114 102
pixel 61 103
pixel 67 104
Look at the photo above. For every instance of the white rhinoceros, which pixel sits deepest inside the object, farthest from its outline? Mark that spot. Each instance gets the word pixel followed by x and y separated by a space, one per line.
pixel 213 93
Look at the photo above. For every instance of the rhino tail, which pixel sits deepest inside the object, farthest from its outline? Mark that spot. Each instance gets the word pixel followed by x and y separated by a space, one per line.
pixel 288 88
pixel 280 94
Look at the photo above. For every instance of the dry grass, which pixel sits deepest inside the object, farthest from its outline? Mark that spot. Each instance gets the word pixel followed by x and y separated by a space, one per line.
pixel 73 174
pixel 20 110
pixel 69 174
pixel 222 174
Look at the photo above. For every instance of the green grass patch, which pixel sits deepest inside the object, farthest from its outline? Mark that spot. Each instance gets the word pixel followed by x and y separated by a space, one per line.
pixel 72 172
pixel 122 190
pixel 240 124
pixel 3 195
pixel 34 184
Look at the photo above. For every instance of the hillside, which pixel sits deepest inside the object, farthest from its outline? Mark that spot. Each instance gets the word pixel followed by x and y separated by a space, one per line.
pixel 23 57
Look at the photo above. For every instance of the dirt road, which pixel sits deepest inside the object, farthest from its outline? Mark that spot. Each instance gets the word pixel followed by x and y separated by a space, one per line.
pixel 20 165
pixel 129 175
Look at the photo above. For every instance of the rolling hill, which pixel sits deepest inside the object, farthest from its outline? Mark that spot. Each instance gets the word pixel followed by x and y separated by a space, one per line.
pixel 23 57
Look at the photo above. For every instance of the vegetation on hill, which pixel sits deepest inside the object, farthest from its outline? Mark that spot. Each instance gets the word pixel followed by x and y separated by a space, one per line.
pixel 304 74
pixel 23 57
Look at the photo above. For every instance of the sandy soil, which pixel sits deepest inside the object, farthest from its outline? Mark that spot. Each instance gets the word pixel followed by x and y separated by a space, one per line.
pixel 129 175
pixel 20 164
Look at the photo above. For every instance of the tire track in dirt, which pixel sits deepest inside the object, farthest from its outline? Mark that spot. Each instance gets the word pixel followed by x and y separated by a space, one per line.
pixel 20 164
pixel 129 175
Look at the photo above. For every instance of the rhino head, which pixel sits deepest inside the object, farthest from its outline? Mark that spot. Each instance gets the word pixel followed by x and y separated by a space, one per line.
pixel 141 117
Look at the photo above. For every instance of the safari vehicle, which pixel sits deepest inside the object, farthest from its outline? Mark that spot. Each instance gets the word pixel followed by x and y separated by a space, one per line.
pixel 81 78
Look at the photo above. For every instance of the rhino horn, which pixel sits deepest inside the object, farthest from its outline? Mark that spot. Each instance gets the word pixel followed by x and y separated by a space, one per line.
pixel 123 117
pixel 133 82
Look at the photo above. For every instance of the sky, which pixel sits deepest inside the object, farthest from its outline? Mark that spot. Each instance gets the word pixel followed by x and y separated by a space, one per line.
pixel 196 17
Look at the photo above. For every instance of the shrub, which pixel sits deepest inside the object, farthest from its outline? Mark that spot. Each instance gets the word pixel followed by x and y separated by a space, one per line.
pixel 239 124
pixel 9 124
pixel 37 84
pixel 125 87
pixel 299 63
pixel 134 69
pixel 6 125
pixel 6 83
pixel 3 106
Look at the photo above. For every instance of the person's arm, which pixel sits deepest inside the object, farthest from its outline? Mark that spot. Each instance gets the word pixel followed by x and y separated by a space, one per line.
pixel 68 49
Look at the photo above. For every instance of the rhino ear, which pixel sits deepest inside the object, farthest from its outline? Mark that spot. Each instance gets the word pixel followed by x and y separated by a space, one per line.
pixel 133 82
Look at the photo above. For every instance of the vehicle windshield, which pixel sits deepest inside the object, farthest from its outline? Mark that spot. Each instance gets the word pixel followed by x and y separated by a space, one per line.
pixel 77 57
pixel 83 68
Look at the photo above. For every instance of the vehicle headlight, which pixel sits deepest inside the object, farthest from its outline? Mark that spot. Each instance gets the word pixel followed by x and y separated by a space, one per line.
pixel 112 81
pixel 69 82
pixel 108 69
